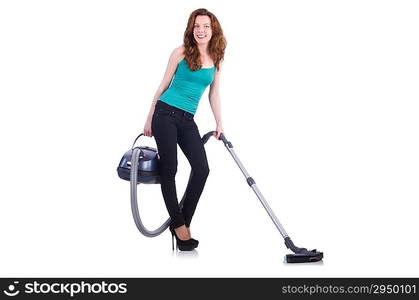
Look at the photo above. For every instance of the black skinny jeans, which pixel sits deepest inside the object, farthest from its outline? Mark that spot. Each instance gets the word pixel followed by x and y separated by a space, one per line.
pixel 172 126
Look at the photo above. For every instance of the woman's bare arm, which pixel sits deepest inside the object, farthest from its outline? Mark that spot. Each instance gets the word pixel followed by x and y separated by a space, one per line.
pixel 214 99
pixel 174 59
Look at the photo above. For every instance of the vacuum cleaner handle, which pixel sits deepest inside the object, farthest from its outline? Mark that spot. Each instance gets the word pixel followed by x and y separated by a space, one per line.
pixel 132 147
pixel 206 137
pixel 133 144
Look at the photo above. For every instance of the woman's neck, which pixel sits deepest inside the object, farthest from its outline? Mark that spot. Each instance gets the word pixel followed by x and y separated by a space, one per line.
pixel 203 49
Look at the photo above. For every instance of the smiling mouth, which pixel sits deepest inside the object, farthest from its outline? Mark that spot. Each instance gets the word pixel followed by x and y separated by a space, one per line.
pixel 199 36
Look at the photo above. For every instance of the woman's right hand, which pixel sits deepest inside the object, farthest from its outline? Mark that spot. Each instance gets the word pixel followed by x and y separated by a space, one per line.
pixel 147 128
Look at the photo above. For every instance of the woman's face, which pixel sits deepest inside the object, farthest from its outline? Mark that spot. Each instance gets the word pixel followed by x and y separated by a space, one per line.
pixel 202 29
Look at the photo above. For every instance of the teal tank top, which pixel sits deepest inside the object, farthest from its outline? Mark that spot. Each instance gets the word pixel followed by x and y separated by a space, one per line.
pixel 187 87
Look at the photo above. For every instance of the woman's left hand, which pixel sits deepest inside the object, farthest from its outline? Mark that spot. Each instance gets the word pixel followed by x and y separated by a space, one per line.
pixel 218 131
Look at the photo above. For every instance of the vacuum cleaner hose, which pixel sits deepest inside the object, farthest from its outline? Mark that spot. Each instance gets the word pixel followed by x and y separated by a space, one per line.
pixel 134 203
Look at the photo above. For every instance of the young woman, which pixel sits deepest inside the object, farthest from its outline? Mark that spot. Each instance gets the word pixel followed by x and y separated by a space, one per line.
pixel 193 67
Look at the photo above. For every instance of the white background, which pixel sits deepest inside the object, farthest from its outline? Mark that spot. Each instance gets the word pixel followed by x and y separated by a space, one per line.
pixel 319 99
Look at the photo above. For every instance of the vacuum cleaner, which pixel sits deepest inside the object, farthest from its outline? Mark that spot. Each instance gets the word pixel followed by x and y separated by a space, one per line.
pixel 141 165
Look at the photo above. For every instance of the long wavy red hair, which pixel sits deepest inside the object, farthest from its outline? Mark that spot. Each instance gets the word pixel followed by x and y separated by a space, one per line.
pixel 216 46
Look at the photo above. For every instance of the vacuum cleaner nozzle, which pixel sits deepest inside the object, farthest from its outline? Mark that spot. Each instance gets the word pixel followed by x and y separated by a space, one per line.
pixel 301 255
pixel 305 256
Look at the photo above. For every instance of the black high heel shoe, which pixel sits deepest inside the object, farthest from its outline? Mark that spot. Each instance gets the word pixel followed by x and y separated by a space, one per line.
pixel 196 241
pixel 183 245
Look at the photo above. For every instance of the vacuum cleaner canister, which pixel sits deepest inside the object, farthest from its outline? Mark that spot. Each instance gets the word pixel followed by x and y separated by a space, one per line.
pixel 148 166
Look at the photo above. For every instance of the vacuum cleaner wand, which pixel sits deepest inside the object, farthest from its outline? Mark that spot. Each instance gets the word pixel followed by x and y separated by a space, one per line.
pixel 300 255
